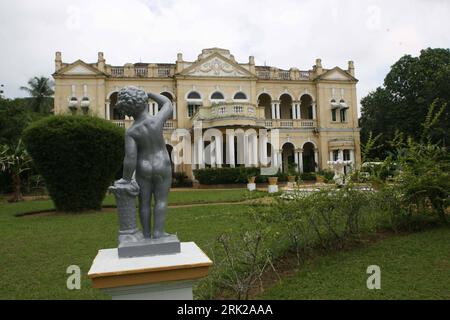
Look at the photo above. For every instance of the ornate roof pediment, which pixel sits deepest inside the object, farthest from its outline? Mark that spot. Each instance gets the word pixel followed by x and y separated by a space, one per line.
pixel 337 74
pixel 216 65
pixel 79 68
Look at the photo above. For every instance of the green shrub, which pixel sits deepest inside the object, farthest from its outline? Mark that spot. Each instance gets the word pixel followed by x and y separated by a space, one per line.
pixel 225 175
pixel 78 156
pixel 327 174
pixel 308 176
pixel 180 180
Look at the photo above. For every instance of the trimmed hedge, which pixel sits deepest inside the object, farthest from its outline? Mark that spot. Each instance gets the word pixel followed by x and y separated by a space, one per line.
pixel 225 175
pixel 308 176
pixel 78 157
pixel 228 175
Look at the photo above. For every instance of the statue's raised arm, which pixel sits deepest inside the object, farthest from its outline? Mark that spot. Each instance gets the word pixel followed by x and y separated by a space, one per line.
pixel 166 109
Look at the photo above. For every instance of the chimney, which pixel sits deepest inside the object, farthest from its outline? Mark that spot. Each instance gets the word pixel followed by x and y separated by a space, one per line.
pixel 58 61
pixel 101 62
pixel 251 62
pixel 319 66
pixel 179 64
pixel 351 68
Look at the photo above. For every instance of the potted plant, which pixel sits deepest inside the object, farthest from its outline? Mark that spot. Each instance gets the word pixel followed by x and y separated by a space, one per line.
pixel 251 179
pixel 292 174
pixel 320 178
pixel 273 181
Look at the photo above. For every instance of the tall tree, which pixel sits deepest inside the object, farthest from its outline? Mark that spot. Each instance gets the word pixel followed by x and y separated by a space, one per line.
pixel 411 86
pixel 41 91
pixel 15 160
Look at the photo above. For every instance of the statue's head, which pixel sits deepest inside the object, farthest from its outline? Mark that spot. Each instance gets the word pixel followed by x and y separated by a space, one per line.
pixel 131 101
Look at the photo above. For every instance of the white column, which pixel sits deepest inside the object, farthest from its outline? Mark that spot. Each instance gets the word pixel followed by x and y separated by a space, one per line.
pixel 296 161
pixel 280 159
pixel 255 150
pixel 263 150
pixel 174 114
pixel 274 115
pixel 218 147
pixel 316 159
pixel 341 154
pixel 107 112
pixel 299 114
pixel 314 111
pixel 293 112
pixel 230 149
pixel 278 111
pixel 352 157
pixel 300 160
pixel 212 153
pixel 274 158
pixel 200 158
pixel 194 156
pixel 331 155
pixel 246 150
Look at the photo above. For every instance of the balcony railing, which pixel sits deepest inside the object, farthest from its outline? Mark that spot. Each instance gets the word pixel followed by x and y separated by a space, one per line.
pixel 263 74
pixel 288 123
pixel 169 125
pixel 227 110
pixel 117 71
pixel 163 72
pixel 282 74
pixel 141 72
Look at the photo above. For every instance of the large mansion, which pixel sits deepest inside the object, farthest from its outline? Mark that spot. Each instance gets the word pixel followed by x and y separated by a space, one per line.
pixel 314 111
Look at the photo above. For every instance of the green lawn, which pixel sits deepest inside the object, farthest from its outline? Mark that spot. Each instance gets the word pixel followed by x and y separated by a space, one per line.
pixel 415 266
pixel 36 250
pixel 175 198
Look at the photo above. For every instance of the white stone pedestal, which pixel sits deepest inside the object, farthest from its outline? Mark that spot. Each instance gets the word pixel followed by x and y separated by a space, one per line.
pixel 273 188
pixel 162 277
pixel 251 186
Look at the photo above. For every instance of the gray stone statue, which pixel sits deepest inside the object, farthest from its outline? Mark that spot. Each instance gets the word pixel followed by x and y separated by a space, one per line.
pixel 146 156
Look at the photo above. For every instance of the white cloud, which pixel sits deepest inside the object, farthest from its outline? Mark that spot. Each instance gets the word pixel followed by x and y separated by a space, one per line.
pixel 282 33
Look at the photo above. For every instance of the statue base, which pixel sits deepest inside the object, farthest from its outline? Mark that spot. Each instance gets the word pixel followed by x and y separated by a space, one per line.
pixel 162 277
pixel 149 247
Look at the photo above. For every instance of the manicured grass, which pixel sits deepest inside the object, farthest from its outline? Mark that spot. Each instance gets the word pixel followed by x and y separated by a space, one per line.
pixel 414 266
pixel 36 250
pixel 175 198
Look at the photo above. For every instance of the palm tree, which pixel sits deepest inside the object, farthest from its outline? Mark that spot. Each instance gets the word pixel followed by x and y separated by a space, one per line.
pixel 40 89
pixel 15 160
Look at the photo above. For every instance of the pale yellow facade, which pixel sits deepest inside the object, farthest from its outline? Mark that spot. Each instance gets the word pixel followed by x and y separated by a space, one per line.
pixel 314 112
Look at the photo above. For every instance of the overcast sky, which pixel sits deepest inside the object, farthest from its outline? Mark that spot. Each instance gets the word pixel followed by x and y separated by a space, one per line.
pixel 280 33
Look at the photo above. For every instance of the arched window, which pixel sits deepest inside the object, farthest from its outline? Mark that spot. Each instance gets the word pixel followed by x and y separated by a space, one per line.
pixel 217 96
pixel 194 101
pixel 194 95
pixel 240 96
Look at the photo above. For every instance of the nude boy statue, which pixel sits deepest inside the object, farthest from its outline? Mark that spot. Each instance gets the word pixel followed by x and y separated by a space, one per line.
pixel 146 154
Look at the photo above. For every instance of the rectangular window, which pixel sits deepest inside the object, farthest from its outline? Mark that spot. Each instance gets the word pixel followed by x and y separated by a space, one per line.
pixel 192 109
pixel 310 112
pixel 346 155
pixel 335 155
pixel 343 116
pixel 333 115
